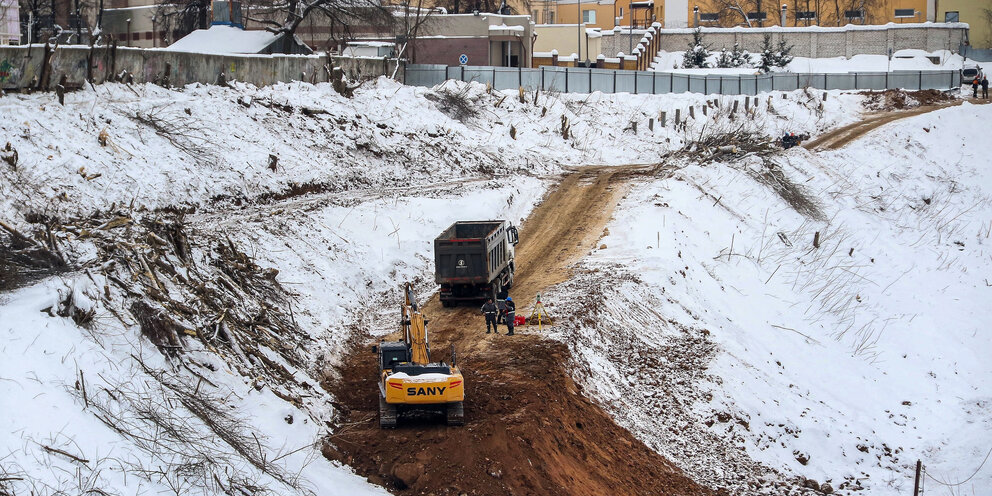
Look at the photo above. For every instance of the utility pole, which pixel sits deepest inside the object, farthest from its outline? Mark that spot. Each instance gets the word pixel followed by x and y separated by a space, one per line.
pixel 579 34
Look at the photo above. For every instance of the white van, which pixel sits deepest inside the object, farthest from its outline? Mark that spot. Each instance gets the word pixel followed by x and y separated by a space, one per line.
pixel 969 71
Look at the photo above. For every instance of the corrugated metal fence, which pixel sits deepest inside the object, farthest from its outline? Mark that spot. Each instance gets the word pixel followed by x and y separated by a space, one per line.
pixel 585 80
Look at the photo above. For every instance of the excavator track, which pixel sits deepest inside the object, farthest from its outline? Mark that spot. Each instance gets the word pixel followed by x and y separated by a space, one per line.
pixel 455 414
pixel 387 414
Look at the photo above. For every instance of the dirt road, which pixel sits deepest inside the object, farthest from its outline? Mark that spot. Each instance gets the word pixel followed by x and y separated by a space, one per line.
pixel 529 429
pixel 842 136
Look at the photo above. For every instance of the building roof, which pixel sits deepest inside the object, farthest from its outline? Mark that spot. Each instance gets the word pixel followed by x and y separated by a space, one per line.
pixel 221 39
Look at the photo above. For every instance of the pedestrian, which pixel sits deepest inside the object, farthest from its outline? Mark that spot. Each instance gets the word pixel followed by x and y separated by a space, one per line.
pixel 489 310
pixel 985 87
pixel 974 88
pixel 509 310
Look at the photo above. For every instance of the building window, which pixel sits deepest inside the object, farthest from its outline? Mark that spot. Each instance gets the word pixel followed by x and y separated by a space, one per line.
pixel 952 16
pixel 533 15
pixel 621 12
pixel 589 16
pixel 757 16
pixel 806 15
pixel 551 18
pixel 709 17
pixel 854 14
pixel 905 12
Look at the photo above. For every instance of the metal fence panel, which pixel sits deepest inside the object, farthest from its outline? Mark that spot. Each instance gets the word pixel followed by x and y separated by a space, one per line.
pixel 749 85
pixel 530 79
pixel 662 83
pixel 506 78
pixel 554 78
pixel 765 83
pixel 905 80
pixel 871 80
pixel 645 82
pixel 939 80
pixel 839 82
pixel 478 74
pixel 697 84
pixel 578 80
pixel 583 80
pixel 602 80
pixel 785 81
pixel 625 81
pixel 425 74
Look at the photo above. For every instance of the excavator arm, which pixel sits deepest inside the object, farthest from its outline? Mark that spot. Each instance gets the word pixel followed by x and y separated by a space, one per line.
pixel 415 329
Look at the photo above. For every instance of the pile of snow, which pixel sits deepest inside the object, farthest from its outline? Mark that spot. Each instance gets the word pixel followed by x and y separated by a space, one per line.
pixel 844 363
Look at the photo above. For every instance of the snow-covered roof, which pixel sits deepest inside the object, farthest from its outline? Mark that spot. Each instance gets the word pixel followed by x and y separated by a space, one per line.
pixel 224 39
pixel 504 27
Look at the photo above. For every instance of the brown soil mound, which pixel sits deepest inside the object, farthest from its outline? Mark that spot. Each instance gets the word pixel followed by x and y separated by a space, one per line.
pixel 529 429
pixel 902 99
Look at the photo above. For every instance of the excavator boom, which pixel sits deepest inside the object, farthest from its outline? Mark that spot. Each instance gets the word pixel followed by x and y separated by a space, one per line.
pixel 415 329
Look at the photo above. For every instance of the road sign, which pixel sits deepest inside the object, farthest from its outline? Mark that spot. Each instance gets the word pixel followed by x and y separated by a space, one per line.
pixel 463 59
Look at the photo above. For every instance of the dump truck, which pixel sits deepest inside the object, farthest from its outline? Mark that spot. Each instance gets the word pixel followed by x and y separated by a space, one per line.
pixel 408 380
pixel 473 260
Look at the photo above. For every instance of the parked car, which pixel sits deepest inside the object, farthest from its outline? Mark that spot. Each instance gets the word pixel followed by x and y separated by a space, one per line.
pixel 969 71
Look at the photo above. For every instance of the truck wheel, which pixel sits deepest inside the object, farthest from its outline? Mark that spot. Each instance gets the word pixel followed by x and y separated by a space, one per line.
pixel 446 303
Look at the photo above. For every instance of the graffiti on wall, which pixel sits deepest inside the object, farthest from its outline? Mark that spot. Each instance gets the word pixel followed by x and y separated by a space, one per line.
pixel 7 71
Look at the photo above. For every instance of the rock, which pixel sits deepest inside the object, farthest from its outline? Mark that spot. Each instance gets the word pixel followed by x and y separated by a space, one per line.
pixel 494 471
pixel 407 474
pixel 801 457
pixel 826 488
pixel 811 484
pixel 602 246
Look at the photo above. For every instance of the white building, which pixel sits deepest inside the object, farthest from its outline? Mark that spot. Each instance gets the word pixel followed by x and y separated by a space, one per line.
pixel 10 23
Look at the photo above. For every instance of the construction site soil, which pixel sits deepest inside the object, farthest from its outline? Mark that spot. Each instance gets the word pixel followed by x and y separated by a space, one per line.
pixel 529 429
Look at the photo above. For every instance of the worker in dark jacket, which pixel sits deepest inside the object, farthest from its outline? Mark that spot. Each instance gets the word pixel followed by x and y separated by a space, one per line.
pixel 985 87
pixel 974 87
pixel 489 310
pixel 508 311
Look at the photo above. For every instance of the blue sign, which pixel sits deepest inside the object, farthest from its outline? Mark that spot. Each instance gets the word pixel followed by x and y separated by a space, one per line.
pixel 463 59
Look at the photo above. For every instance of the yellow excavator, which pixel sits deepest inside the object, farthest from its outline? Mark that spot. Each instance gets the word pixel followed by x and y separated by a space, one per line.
pixel 409 381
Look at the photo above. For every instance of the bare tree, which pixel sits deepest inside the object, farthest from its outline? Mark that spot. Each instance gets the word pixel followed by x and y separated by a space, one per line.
pixel 181 17
pixel 344 17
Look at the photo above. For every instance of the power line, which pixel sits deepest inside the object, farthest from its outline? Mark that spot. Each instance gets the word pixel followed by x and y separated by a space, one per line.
pixel 938 481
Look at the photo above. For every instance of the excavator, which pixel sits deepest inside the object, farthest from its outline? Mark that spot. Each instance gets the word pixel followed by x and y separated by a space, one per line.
pixel 408 380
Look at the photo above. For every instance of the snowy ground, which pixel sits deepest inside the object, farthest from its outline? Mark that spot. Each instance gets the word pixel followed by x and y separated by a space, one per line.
pixel 842 363
pixel 359 189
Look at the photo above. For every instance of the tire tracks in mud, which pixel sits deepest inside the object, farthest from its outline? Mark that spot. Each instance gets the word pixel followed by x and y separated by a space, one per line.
pixel 840 137
pixel 529 429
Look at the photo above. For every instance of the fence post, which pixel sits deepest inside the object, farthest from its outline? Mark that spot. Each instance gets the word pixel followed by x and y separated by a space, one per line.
pixel 920 86
pixel 615 80
pixel 494 78
pixel 654 83
pixel 886 79
pixel 566 80
pixel 916 482
pixel 797 80
pixel 520 76
pixel 463 73
pixel 589 71
pixel 635 82
pixel 856 81
pixel 542 79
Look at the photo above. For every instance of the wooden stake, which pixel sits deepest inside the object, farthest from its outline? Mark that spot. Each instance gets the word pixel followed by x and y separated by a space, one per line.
pixel 816 240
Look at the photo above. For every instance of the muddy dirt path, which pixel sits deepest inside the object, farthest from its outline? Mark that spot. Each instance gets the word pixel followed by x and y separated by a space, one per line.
pixel 529 429
pixel 840 137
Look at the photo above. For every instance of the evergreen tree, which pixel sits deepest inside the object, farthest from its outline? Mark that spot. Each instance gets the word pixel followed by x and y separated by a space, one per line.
pixel 724 60
pixel 767 55
pixel 778 56
pixel 784 57
pixel 739 57
pixel 696 55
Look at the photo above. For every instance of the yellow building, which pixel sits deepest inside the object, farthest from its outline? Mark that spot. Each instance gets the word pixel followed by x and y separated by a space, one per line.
pixel 976 13
pixel 764 13
pixel 606 14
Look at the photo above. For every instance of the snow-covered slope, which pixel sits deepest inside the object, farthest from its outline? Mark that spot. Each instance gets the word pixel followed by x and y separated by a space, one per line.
pixel 720 324
pixel 346 210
